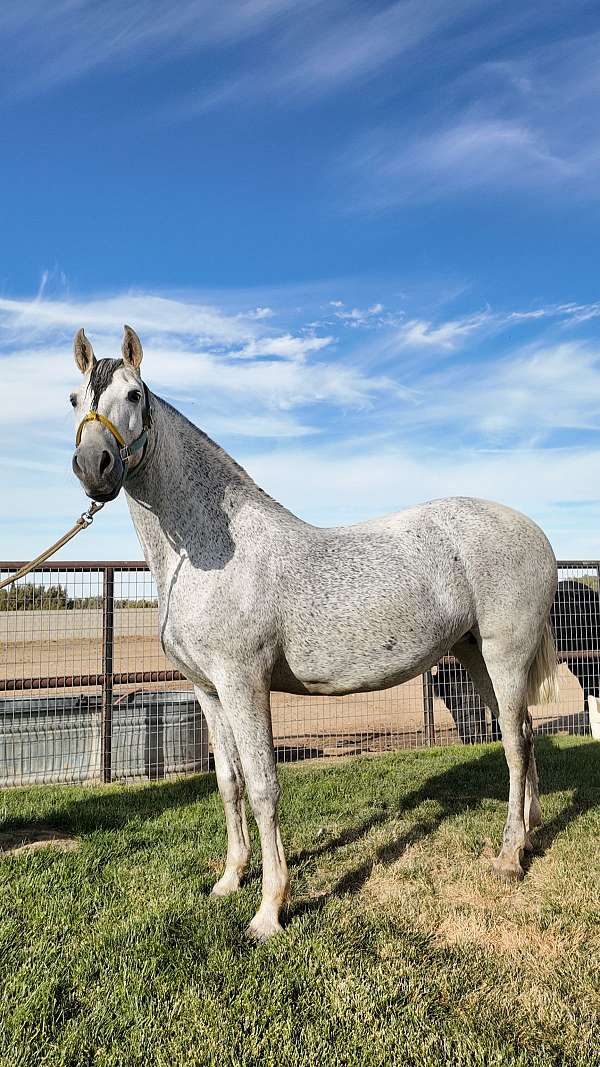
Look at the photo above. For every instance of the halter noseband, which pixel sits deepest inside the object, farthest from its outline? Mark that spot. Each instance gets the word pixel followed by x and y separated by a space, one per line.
pixel 125 451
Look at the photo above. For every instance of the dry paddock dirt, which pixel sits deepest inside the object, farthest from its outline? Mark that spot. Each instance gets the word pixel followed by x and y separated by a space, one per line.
pixel 46 644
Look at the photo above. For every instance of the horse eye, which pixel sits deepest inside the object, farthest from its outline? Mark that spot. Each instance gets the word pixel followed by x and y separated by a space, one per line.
pixel 134 396
pixel 73 399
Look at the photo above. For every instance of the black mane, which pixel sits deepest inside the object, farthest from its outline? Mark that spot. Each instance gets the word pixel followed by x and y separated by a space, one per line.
pixel 101 377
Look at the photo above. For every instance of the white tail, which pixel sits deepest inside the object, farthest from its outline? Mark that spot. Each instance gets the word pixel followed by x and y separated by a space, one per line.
pixel 542 685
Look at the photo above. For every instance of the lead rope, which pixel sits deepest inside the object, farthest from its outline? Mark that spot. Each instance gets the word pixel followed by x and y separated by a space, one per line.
pixel 82 523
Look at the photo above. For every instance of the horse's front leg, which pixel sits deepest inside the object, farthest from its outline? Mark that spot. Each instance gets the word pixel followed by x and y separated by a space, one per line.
pixel 230 779
pixel 248 710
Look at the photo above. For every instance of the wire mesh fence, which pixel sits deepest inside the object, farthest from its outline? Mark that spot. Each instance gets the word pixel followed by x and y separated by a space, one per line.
pixel 87 693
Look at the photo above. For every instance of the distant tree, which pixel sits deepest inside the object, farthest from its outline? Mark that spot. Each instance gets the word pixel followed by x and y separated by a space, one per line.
pixel 31 597
pixel 141 603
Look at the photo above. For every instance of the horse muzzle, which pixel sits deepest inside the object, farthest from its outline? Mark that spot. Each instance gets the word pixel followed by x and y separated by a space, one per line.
pixel 101 472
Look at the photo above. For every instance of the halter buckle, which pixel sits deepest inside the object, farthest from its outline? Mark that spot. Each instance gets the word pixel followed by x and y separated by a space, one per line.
pixel 87 518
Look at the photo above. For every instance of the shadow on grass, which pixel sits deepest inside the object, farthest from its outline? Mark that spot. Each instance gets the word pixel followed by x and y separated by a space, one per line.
pixel 466 786
pixel 116 807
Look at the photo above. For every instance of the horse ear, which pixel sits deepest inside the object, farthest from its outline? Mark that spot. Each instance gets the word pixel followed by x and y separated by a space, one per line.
pixel 131 348
pixel 84 353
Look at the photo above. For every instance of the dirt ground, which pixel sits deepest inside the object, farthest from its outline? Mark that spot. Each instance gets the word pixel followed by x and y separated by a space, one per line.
pixel 57 643
pixel 31 838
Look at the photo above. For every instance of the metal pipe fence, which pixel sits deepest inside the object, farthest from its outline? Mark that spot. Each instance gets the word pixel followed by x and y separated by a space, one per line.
pixel 87 693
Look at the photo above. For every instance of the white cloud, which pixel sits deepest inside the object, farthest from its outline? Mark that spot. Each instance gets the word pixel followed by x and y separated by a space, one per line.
pixel 330 485
pixel 361 318
pixel 362 40
pixel 417 333
pixel 468 154
pixel 527 121
pixel 563 382
pixel 49 52
pixel 286 346
pixel 151 314
pixel 336 48
pixel 453 334
pixel 274 385
pixel 527 396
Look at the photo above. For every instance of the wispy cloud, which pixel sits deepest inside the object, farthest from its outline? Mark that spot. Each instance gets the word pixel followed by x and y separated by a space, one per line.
pixel 531 394
pixel 286 346
pixel 338 47
pixel 524 120
pixel 453 334
pixel 361 39
pixel 304 50
pixel 43 51
pixel 418 333
pixel 376 315
pixel 528 121
pixel 153 314
pixel 472 153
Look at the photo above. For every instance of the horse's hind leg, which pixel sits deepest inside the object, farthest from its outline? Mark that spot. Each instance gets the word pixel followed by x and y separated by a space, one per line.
pixel 533 808
pixel 509 674
pixel 468 653
pixel 230 779
pixel 502 685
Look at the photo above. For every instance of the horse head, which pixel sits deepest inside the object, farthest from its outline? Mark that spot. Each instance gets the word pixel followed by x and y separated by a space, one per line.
pixel 112 413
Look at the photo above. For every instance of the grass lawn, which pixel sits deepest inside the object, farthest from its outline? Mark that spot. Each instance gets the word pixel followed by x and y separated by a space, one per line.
pixel 400 946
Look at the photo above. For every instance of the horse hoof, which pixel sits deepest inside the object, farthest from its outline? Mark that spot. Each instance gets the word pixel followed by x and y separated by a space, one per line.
pixel 262 928
pixel 226 885
pixel 528 843
pixel 508 872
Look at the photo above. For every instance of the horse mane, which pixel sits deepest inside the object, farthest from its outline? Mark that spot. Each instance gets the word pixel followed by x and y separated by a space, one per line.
pixel 101 376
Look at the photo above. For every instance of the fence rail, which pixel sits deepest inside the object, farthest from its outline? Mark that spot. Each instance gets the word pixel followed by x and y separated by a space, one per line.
pixel 81 641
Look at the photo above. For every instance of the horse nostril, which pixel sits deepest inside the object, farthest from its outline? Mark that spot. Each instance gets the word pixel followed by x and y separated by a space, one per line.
pixel 105 462
pixel 75 463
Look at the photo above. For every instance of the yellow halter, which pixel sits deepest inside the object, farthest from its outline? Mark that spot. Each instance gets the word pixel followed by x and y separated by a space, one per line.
pixel 95 416
pixel 125 451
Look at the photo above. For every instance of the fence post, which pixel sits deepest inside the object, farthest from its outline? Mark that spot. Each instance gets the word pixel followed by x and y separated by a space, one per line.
pixel 428 718
pixel 108 636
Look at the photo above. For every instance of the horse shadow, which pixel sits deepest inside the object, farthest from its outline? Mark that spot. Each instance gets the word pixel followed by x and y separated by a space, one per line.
pixel 115 809
pixel 465 786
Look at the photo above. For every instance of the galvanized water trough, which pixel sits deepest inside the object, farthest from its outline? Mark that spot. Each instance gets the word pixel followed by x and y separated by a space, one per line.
pixel 59 738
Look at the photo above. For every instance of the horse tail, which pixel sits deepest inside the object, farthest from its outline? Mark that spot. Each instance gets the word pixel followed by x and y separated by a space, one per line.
pixel 542 684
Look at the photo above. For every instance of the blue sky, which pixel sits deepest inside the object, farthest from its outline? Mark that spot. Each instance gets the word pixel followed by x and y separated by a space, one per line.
pixel 359 241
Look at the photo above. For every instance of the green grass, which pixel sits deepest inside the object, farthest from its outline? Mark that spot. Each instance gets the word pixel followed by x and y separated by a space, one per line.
pixel 400 946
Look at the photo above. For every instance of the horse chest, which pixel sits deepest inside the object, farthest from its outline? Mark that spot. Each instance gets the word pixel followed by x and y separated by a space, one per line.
pixel 188 656
pixel 185 636
pixel 196 624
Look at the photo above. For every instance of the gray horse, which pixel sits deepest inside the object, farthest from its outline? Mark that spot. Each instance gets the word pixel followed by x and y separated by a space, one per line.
pixel 253 599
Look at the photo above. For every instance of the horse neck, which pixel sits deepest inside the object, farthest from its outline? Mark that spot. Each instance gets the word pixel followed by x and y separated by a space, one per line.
pixel 187 495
